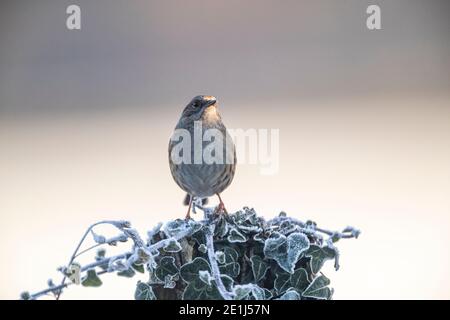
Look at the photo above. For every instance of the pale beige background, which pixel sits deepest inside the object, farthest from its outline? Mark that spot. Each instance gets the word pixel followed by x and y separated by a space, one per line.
pixel 364 123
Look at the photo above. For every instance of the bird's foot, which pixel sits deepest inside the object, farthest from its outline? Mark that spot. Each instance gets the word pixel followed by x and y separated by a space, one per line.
pixel 221 208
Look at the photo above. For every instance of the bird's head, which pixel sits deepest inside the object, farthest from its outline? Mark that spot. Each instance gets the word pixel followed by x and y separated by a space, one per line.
pixel 201 107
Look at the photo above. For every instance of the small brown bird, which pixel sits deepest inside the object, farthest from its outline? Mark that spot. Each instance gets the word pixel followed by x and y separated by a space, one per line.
pixel 213 173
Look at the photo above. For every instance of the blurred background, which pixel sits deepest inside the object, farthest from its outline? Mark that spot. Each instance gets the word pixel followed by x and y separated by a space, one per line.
pixel 364 120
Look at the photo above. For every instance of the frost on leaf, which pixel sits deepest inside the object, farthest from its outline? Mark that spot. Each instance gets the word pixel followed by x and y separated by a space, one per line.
pixel 318 256
pixel 259 268
pixel 190 271
pixel 144 292
pixel 166 267
pixel 286 250
pixel 91 279
pixel 236 256
pixel 290 295
pixel 172 246
pixel 318 289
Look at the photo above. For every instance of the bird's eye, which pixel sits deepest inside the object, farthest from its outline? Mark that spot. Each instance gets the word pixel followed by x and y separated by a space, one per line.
pixel 195 104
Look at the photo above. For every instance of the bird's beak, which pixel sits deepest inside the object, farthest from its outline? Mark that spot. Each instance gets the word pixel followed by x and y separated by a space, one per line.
pixel 210 101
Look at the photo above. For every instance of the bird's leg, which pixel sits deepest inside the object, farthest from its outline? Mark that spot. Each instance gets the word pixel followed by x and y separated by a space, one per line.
pixel 221 207
pixel 188 214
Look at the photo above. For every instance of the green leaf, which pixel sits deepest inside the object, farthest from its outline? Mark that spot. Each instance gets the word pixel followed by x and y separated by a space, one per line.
pixel 282 282
pixel 220 256
pixel 144 292
pixel 202 248
pixel 318 289
pixel 198 290
pixel 190 271
pixel 91 279
pixel 172 246
pixel 242 291
pixel 236 236
pixel 318 256
pixel 231 269
pixel 290 295
pixel 230 264
pixel 166 267
pixel 221 228
pixel 138 267
pixel 299 280
pixel 259 267
pixel 286 250
pixel 129 273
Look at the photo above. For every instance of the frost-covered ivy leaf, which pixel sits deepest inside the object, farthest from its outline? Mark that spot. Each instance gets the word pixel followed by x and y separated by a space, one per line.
pixel 221 228
pixel 220 256
pixel 231 255
pixel 299 280
pixel 175 227
pixel 190 271
pixel 100 254
pixel 91 279
pixel 258 292
pixel 99 239
pixel 241 291
pixel 236 236
pixel 259 267
pixel 199 237
pixel 198 290
pixel 202 248
pixel 318 256
pixel 172 246
pixel 205 276
pixel 282 282
pixel 290 295
pixel 318 289
pixel 169 283
pixel 144 292
pixel 267 294
pixel 129 273
pixel 286 250
pixel 138 267
pixel 259 237
pixel 231 266
pixel 231 269
pixel 166 267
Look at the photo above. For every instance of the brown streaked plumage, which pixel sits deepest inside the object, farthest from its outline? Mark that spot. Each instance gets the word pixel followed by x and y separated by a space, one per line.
pixel 202 180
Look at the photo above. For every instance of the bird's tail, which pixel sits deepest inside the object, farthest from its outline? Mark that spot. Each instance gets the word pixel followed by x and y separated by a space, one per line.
pixel 187 199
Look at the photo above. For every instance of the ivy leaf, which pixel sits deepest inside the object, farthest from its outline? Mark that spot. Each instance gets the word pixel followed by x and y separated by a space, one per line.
pixel 318 289
pixel 91 279
pixel 290 295
pixel 166 267
pixel 202 248
pixel 236 236
pixel 138 267
pixel 144 292
pixel 190 271
pixel 286 250
pixel 220 256
pixel 169 283
pixel 299 280
pixel 231 266
pixel 318 256
pixel 199 290
pixel 172 246
pixel 205 276
pixel 129 273
pixel 259 267
pixel 282 282
pixel 242 291
pixel 222 227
